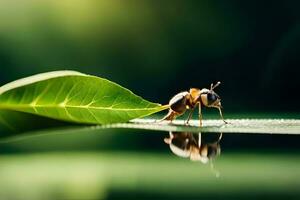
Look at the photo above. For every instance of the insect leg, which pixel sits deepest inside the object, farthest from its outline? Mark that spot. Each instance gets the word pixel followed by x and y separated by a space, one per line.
pixel 199 139
pixel 169 140
pixel 189 117
pixel 200 115
pixel 170 116
pixel 220 137
pixel 221 114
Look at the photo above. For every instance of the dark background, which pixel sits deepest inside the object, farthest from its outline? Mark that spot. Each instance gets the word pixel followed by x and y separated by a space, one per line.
pixel 158 49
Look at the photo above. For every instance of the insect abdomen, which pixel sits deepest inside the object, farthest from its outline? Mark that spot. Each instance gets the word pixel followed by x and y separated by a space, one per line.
pixel 178 102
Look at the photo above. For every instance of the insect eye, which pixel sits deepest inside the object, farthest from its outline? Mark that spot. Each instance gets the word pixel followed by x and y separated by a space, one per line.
pixel 211 97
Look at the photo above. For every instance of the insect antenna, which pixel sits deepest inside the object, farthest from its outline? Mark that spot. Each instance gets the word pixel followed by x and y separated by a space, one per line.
pixel 212 86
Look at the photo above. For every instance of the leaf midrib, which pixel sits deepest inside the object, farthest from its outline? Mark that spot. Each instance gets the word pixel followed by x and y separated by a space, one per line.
pixel 13 107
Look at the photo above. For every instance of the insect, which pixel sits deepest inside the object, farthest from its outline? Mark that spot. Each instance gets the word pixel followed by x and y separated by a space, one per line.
pixel 190 100
pixel 189 145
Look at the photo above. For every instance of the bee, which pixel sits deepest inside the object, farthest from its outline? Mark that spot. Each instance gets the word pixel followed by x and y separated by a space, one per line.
pixel 188 145
pixel 190 100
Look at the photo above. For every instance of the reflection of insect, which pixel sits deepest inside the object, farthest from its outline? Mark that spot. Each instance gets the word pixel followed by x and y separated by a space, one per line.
pixel 187 145
pixel 189 100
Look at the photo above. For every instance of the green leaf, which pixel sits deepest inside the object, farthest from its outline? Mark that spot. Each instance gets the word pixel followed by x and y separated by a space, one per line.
pixel 75 97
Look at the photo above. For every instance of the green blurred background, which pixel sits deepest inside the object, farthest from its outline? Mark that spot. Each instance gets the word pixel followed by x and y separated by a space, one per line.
pixel 156 49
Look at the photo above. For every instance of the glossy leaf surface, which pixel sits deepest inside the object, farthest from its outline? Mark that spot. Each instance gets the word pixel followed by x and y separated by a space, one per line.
pixel 75 97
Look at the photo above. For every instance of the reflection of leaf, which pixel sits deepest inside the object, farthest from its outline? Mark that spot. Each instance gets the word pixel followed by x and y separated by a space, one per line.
pixel 14 123
pixel 75 97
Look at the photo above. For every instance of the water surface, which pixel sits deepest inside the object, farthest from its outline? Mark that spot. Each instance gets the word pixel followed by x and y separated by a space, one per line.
pixel 113 164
